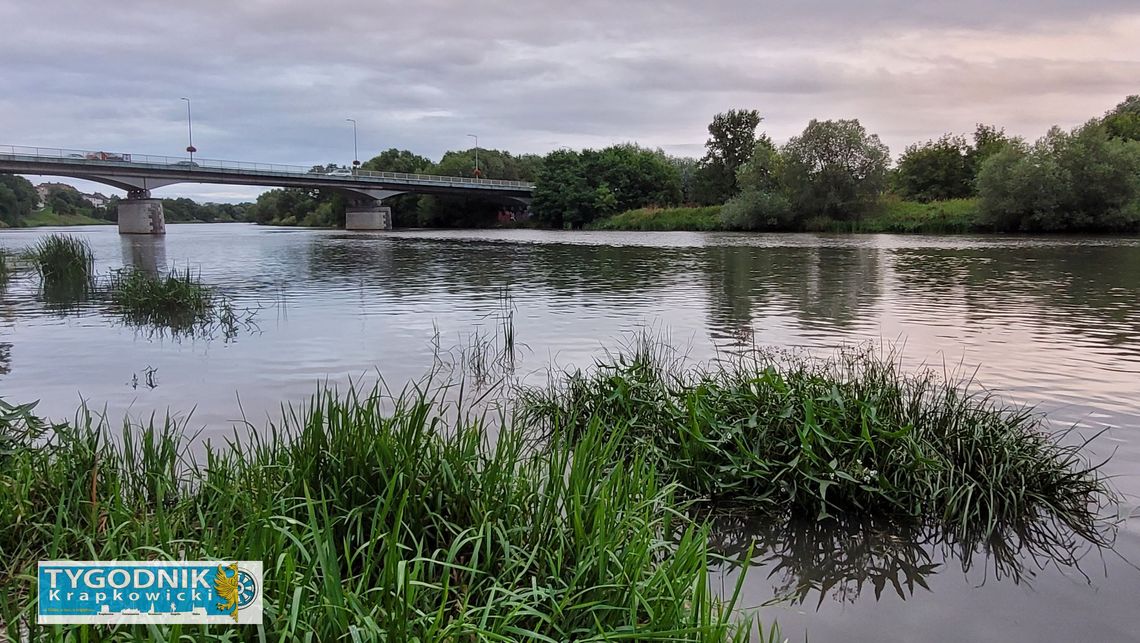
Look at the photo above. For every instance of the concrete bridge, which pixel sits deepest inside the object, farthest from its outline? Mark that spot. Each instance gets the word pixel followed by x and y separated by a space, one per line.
pixel 138 174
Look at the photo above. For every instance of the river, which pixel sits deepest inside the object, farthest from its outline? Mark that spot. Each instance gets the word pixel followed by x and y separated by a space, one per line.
pixel 1048 321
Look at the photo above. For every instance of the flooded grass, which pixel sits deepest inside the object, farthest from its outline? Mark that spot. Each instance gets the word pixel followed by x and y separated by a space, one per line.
pixel 63 259
pixel 5 269
pixel 177 296
pixel 819 438
pixel 399 525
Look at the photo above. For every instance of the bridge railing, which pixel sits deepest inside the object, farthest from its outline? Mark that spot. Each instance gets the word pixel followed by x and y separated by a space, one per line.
pixel 120 159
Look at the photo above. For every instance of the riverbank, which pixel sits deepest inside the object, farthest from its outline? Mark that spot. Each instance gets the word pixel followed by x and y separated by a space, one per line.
pixel 891 215
pixel 567 517
pixel 46 217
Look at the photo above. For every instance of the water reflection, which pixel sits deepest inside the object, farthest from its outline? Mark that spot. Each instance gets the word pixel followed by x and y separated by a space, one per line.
pixel 839 559
pixel 144 251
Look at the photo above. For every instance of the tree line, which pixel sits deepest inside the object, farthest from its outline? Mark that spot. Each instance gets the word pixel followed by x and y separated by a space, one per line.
pixel 19 201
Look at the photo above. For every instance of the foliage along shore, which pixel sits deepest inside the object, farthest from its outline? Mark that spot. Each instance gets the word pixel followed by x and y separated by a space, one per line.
pixel 893 215
pixel 567 515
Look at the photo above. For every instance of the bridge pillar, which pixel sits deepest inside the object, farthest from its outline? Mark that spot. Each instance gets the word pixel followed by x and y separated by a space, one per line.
pixel 372 216
pixel 141 216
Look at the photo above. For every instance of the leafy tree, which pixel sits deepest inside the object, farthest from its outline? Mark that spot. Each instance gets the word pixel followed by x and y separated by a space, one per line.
pixel 575 188
pixel 1083 180
pixel 562 194
pixel 67 200
pixel 18 198
pixel 936 170
pixel 833 169
pixel 687 168
pixel 988 140
pixel 1124 121
pixel 405 207
pixel 732 138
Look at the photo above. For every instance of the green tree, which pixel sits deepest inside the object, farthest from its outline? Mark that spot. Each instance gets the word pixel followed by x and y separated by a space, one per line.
pixel 405 207
pixel 988 140
pixel 732 138
pixel 936 170
pixel 574 188
pixel 833 169
pixel 1124 121
pixel 67 200
pixel 18 198
pixel 562 194
pixel 1083 180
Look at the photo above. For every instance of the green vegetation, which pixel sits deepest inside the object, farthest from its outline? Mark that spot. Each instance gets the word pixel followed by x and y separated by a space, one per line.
pixel 48 217
pixel 5 269
pixel 1086 180
pixel 62 259
pixel 377 518
pixel 575 188
pixel 699 219
pixel 145 295
pixel 18 199
pixel 819 438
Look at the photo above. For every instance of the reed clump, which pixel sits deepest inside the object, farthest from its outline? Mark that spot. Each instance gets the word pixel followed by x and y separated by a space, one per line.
pixel 178 295
pixel 403 524
pixel 849 435
pixel 63 259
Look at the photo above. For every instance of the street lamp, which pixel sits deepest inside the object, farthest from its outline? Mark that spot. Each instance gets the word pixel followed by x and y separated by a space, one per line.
pixel 355 153
pixel 189 131
pixel 477 173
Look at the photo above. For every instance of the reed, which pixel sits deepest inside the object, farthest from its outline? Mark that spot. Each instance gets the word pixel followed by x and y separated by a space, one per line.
pixel 851 435
pixel 62 259
pixel 399 525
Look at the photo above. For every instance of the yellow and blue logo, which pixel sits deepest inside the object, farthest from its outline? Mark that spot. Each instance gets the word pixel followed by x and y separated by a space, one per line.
pixel 121 592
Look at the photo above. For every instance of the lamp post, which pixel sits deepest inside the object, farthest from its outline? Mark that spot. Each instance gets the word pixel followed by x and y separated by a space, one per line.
pixel 355 153
pixel 189 131
pixel 477 173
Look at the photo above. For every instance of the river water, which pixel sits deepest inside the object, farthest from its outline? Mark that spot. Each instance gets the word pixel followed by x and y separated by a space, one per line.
pixel 1049 321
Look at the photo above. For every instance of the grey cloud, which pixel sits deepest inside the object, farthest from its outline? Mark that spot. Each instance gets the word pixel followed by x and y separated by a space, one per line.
pixel 274 81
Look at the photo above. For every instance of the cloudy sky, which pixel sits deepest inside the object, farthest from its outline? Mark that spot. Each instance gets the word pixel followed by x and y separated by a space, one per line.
pixel 274 81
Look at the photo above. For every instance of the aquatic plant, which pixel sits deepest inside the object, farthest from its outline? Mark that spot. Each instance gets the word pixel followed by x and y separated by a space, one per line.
pixel 177 295
pixel 61 258
pixel 5 269
pixel 178 303
pixel 853 434
pixel 402 524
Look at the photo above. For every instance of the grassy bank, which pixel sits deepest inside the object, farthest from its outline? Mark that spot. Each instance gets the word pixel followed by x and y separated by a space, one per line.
pixel 402 525
pixel 954 216
pixel 565 517
pixel 46 217
pixel 889 215
pixel 694 219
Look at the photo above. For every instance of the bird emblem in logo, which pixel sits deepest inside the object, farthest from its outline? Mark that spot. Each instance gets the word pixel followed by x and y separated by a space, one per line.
pixel 236 587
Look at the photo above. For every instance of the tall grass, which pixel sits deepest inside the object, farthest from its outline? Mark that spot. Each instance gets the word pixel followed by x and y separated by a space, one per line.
pixel 61 258
pixel 407 525
pixel 819 438
pixel 647 219
pixel 178 303
pixel 5 269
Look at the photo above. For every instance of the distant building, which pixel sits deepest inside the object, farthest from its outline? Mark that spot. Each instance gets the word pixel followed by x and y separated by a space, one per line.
pixel 97 199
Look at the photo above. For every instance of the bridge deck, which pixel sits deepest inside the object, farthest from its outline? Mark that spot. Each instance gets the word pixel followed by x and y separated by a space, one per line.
pixel 166 170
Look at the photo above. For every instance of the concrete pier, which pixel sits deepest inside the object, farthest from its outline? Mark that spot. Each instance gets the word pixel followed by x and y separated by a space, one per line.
pixel 368 217
pixel 141 216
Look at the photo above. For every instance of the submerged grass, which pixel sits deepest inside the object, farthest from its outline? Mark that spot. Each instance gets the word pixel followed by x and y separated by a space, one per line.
pixel 177 295
pixel 820 438
pixel 5 269
pixel 61 258
pixel 403 525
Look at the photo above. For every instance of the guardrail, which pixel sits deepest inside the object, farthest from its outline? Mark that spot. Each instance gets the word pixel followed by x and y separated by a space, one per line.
pixel 118 159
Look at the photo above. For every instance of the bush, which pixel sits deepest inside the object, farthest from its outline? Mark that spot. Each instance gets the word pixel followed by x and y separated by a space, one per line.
pixel 753 209
pixel 657 219
pixel 1084 180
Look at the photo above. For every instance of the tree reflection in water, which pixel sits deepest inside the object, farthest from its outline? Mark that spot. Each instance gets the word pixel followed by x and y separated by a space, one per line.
pixel 839 559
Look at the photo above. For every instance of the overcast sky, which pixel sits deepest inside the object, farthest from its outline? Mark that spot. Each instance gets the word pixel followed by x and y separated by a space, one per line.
pixel 274 81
